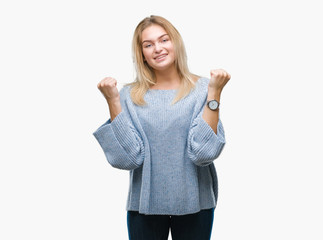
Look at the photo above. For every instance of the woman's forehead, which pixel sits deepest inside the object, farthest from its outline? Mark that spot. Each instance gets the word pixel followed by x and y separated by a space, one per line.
pixel 152 32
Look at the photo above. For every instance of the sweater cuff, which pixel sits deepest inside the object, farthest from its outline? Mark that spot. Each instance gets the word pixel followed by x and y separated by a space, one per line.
pixel 120 127
pixel 206 133
pixel 205 145
pixel 120 133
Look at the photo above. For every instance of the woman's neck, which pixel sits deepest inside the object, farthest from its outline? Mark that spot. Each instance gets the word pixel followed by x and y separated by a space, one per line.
pixel 168 79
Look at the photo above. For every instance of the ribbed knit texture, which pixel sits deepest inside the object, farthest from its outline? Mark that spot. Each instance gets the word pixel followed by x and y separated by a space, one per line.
pixel 169 150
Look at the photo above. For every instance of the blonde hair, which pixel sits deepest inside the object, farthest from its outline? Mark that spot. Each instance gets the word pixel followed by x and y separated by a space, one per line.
pixel 145 74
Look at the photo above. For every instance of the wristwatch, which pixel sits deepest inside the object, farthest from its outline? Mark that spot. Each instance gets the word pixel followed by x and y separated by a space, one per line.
pixel 213 104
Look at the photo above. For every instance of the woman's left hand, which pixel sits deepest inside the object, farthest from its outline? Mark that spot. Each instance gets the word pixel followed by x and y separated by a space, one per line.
pixel 219 79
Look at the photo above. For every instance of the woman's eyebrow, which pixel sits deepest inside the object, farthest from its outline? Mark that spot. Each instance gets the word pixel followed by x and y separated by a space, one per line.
pixel 151 40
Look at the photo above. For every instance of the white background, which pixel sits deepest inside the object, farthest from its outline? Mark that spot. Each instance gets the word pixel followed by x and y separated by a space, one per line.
pixel 55 182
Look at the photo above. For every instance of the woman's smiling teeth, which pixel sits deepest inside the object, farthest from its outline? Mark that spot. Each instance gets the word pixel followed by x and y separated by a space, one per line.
pixel 160 57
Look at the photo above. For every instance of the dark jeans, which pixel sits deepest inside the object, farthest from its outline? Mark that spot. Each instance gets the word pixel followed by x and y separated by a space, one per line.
pixel 196 226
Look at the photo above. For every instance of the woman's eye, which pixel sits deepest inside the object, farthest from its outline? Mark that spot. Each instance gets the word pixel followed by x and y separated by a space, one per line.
pixel 165 40
pixel 147 46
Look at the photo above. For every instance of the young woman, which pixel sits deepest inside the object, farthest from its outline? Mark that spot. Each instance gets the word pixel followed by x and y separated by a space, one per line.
pixel 165 129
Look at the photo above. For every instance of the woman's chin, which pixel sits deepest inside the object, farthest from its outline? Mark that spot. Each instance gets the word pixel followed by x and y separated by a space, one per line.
pixel 162 66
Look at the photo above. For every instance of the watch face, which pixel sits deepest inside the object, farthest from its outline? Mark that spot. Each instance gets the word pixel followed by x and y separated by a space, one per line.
pixel 213 104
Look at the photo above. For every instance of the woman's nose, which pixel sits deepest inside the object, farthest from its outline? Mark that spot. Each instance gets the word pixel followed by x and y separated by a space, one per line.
pixel 157 47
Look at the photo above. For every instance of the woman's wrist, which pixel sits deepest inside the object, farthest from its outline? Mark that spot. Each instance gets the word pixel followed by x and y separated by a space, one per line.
pixel 115 100
pixel 214 94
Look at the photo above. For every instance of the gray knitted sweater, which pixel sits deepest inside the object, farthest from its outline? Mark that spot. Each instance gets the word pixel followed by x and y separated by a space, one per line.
pixel 168 149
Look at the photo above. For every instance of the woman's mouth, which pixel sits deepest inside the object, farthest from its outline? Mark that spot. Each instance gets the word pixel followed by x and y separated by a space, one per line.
pixel 160 58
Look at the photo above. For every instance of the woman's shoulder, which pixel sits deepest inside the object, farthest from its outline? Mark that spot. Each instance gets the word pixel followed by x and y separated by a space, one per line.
pixel 125 90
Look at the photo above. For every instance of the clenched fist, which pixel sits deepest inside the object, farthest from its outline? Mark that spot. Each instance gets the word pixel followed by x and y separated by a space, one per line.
pixel 108 87
pixel 219 79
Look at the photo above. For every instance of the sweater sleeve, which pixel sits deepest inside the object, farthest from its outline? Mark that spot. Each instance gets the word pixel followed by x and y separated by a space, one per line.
pixel 120 141
pixel 204 146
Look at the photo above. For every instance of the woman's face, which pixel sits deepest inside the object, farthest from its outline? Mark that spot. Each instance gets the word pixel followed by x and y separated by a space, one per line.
pixel 157 48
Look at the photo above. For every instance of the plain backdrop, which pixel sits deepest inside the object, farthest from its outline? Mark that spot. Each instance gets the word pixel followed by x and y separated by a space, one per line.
pixel 55 182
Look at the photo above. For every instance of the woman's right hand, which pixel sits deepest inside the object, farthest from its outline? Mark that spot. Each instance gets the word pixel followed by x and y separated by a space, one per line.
pixel 108 87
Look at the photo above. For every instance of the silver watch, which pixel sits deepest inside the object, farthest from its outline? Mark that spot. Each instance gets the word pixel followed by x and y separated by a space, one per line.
pixel 213 104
